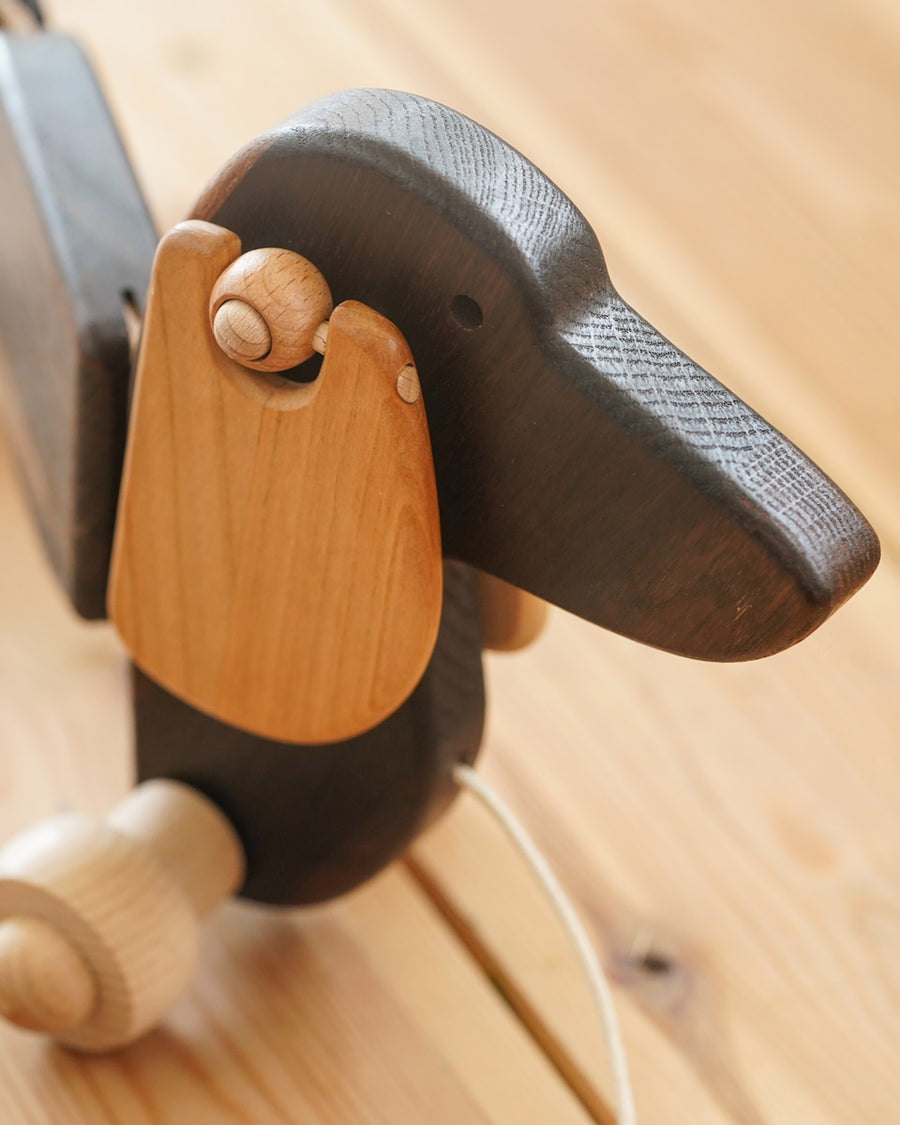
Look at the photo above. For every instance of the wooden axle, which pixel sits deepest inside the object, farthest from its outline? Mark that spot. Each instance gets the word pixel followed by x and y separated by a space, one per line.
pixel 100 919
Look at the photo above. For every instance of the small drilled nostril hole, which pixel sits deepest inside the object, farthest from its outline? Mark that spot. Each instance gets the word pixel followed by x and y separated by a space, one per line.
pixel 466 312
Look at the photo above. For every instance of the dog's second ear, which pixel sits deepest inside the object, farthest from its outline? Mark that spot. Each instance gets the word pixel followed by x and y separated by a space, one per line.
pixel 579 455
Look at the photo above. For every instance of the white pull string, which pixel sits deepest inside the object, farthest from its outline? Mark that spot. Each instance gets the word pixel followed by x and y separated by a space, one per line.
pixel 467 778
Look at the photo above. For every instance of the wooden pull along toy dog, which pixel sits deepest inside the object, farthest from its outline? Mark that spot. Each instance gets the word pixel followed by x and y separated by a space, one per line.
pixel 310 553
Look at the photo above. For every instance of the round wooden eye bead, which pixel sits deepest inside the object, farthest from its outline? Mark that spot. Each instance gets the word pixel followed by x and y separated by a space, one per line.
pixel 265 308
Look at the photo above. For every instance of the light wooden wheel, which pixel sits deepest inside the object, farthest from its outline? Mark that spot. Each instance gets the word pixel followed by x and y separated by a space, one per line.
pixel 99 921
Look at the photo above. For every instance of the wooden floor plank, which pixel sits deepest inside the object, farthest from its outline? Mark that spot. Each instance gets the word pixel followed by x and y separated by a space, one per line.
pixel 730 835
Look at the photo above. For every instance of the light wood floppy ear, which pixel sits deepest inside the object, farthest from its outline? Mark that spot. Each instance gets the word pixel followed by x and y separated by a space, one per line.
pixel 277 560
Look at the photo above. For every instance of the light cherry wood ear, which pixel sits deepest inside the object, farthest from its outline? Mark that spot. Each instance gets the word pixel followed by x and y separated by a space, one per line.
pixel 99 920
pixel 277 558
pixel 511 619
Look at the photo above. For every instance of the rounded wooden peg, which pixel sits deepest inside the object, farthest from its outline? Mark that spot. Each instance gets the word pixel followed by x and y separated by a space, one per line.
pixel 242 332
pixel 189 835
pixel 45 984
pixel 408 386
pixel 266 308
pixel 99 920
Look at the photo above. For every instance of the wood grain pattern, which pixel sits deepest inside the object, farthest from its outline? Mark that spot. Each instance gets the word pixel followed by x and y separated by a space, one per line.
pixel 277 561
pixel 578 454
pixel 731 840
pixel 75 242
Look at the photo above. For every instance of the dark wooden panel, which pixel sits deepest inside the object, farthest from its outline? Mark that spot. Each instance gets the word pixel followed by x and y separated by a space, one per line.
pixel 579 455
pixel 75 239
pixel 318 820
